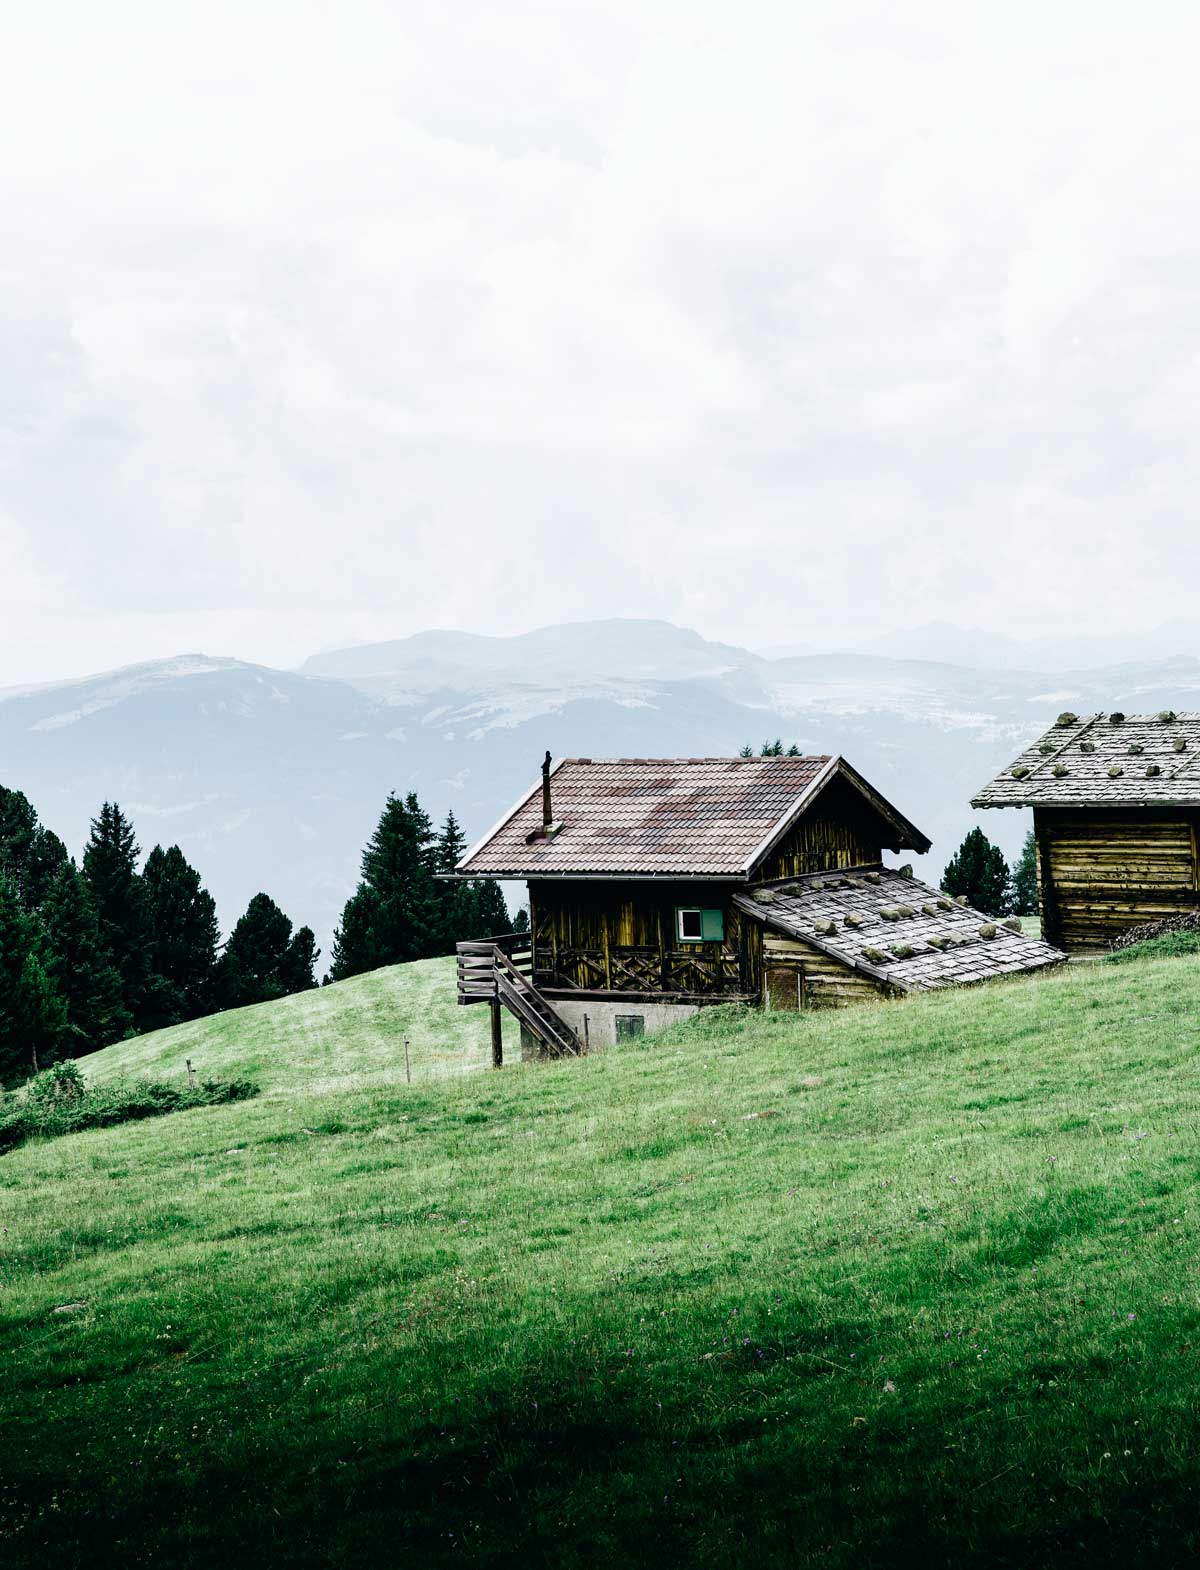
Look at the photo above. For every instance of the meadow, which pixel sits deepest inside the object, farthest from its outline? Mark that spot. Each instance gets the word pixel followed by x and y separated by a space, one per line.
pixel 908 1284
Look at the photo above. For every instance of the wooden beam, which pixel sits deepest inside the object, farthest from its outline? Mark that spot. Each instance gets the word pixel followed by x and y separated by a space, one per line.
pixel 497 1035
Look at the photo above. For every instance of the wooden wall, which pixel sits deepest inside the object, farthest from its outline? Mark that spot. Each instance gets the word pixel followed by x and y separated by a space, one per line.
pixel 1101 872
pixel 841 831
pixel 820 980
pixel 621 937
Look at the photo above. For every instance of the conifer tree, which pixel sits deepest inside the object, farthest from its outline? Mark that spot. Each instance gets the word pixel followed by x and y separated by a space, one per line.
pixel 32 1014
pixel 298 971
pixel 521 920
pixel 458 905
pixel 979 871
pixel 255 967
pixel 81 967
pixel 354 948
pixel 15 947
pixel 183 933
pixel 44 1014
pixel 394 915
pixel 110 869
pixel 491 911
pixel 1024 879
pixel 29 853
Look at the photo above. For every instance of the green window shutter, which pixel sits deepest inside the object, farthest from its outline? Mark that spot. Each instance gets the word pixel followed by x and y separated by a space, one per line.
pixel 712 926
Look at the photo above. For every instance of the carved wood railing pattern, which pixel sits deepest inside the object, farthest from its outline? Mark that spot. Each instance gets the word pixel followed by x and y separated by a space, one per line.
pixel 628 969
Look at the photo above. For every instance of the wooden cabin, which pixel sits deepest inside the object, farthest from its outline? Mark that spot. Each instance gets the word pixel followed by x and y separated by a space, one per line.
pixel 1116 810
pixel 659 886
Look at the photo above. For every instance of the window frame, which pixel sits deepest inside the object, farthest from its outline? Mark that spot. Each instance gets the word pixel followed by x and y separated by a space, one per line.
pixel 715 917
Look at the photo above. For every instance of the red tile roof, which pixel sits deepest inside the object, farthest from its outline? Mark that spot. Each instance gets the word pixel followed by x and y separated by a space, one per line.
pixel 648 817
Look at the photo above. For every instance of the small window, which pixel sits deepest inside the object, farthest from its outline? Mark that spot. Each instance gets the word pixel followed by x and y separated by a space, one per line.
pixel 694 925
pixel 629 1026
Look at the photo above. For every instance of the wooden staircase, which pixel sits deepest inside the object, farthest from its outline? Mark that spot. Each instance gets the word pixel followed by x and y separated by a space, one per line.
pixel 499 971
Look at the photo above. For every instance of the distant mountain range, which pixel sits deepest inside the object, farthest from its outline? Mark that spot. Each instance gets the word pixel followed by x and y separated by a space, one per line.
pixel 274 779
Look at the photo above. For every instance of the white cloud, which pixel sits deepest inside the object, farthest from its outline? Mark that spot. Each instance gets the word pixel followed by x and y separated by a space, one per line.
pixel 787 320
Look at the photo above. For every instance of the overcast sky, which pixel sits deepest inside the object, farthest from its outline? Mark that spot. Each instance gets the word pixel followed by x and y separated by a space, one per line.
pixel 323 323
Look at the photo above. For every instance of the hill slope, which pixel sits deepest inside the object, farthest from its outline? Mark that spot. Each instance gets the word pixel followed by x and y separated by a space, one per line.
pixel 904 1285
pixel 349 1033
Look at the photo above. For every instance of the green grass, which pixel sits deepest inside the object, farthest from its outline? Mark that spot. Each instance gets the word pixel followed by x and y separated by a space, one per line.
pixel 913 1284
pixel 333 1038
pixel 1171 945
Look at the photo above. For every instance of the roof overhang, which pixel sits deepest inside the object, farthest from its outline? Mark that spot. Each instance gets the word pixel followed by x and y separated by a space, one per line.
pixel 908 836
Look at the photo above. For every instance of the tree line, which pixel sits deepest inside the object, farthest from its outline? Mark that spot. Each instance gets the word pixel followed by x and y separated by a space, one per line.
pixel 96 951
pixel 93 952
pixel 403 909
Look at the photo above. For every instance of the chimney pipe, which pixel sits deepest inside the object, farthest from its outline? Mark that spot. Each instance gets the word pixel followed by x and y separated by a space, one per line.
pixel 547 829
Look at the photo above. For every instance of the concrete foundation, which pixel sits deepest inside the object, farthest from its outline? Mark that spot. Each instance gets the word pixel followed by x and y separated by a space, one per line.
pixel 602 1015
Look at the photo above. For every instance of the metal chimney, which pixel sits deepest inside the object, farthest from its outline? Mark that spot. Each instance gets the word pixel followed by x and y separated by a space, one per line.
pixel 548 828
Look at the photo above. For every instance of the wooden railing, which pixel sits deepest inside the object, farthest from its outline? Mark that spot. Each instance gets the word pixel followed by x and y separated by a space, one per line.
pixel 477 964
pixel 696 972
pixel 498 971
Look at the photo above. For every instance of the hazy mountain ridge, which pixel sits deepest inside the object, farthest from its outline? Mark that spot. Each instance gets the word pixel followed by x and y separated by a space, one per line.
pixel 273 779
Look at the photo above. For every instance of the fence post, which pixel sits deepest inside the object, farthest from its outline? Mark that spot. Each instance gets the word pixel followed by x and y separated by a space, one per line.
pixel 497 1035
pixel 407 1067
pixel 191 1073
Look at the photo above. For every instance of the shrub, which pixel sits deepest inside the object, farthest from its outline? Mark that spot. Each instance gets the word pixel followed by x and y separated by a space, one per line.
pixel 58 1102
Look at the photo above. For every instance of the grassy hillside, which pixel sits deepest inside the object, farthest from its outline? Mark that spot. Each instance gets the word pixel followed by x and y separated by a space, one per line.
pixel 913 1284
pixel 348 1034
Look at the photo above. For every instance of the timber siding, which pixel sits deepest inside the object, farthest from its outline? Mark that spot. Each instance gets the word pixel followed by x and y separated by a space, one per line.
pixel 840 832
pixel 1100 873
pixel 817 980
pixel 622 937
pixel 1116 806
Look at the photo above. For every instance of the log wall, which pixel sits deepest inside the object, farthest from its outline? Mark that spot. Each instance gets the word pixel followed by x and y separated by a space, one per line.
pixel 1102 872
pixel 823 982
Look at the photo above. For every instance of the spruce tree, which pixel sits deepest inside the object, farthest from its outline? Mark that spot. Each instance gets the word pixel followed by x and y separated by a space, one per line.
pixel 457 905
pixel 979 871
pixel 354 946
pixel 183 931
pixel 110 868
pixel 1025 880
pixel 30 854
pixel 44 1014
pixel 396 914
pixel 81 967
pixel 254 966
pixel 521 920
pixel 491 911
pixel 16 945
pixel 298 971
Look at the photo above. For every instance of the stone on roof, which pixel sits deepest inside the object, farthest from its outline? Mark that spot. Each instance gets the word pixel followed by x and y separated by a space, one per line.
pixel 1084 764
pixel 916 952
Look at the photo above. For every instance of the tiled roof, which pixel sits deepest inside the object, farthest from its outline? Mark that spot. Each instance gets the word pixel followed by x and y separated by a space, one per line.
pixel 894 910
pixel 643 817
pixel 1105 760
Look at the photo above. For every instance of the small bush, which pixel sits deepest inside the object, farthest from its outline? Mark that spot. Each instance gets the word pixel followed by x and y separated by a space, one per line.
pixel 58 1102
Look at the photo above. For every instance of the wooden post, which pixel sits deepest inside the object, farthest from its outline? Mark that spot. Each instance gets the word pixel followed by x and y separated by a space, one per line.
pixel 587 1046
pixel 497 1035
pixel 407 1065
pixel 191 1074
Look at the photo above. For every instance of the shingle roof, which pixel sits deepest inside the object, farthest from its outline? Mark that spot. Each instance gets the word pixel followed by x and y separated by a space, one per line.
pixel 945 937
pixel 651 817
pixel 1105 760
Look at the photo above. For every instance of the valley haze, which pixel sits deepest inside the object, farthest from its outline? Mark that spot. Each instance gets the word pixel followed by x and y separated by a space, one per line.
pixel 274 779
